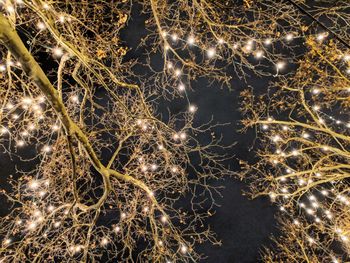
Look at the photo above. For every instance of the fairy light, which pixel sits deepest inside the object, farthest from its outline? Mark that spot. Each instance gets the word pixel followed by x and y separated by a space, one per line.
pixel 163 219
pixel 259 54
pixel 268 41
pixel 181 87
pixel 32 225
pixel 174 37
pixel 289 37
pixel 61 18
pixel 75 98
pixel 280 65
pixel 104 241
pixel 33 184
pixel 191 40
pixel 177 72
pixel 46 149
pixel 192 108
pixel 2 67
pixel 40 25
pixel 20 143
pixel 10 9
pixel 184 249
pixel 7 241
pixel 211 52
pixel 57 51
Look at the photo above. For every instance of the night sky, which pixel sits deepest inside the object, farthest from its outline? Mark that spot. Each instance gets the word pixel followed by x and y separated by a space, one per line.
pixel 243 225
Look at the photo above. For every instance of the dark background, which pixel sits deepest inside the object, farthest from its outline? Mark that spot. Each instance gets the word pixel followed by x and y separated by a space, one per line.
pixel 243 225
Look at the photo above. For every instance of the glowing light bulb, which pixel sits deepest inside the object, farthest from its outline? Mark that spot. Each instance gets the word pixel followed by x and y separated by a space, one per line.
pixel 46 149
pixel 306 135
pixel 7 241
pixel 40 25
pixel 61 18
pixel 289 37
pixel 267 41
pixel 315 91
pixel 117 229
pixel 191 40
pixel 33 184
pixel 20 143
pixel 104 241
pixel 192 108
pixel 32 225
pixel 2 68
pixel 280 65
pixel 10 9
pixel 177 72
pixel 174 37
pixel 164 219
pixel 27 100
pixel 181 87
pixel 183 249
pixel 75 98
pixel 57 51
pixel 183 135
pixel 211 52
pixel 259 54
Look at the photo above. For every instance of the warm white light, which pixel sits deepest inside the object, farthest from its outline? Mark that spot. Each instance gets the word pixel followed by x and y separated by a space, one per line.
pixel 280 65
pixel 46 149
pixel 61 18
pixel 10 9
pixel 259 54
pixel 33 184
pixel 177 72
pixel 41 25
pixel 183 249
pixel 181 87
pixel 211 52
pixel 7 241
pixel 192 108
pixel 2 68
pixel 75 98
pixel 57 51
pixel 174 37
pixel 191 40
pixel 163 219
pixel 20 143
pixel 268 41
pixel 104 241
pixel 315 91
pixel 289 37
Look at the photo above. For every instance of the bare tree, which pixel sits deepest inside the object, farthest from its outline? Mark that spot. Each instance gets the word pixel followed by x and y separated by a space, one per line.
pixel 303 143
pixel 68 99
